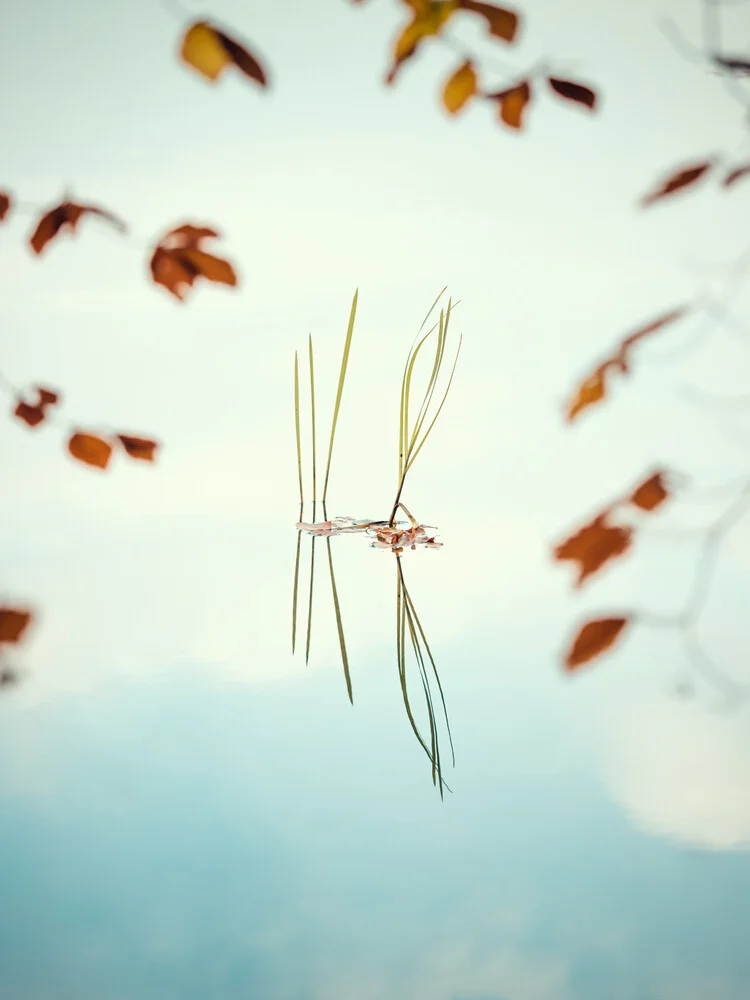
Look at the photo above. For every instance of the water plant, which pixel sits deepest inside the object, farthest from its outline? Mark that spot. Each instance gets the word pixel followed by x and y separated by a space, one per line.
pixel 387 533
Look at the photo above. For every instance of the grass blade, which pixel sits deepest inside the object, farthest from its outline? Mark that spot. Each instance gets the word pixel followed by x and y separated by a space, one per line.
pixel 313 540
pixel 340 389
pixel 312 408
pixel 296 425
pixel 296 585
pixel 339 626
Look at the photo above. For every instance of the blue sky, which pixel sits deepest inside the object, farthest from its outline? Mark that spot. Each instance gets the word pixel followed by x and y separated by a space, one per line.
pixel 188 806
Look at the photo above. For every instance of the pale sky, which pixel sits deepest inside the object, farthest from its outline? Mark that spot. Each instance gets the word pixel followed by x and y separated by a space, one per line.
pixel 187 805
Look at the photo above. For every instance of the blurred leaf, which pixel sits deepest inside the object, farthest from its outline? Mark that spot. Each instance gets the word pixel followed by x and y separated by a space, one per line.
pixel 34 413
pixel 651 493
pixel 5 202
pixel 591 391
pixel 594 545
pixel 501 23
pixel 209 51
pixel 677 181
pixel 67 214
pixel 139 448
pixel 734 175
pixel 8 678
pixel 513 102
pixel 90 449
pixel 573 91
pixel 739 66
pixel 13 624
pixel 429 18
pixel 593 639
pixel 460 87
pixel 178 260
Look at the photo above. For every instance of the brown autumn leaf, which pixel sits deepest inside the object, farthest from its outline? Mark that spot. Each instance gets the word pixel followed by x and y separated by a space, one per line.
pixel 734 175
pixel 178 260
pixel 594 545
pixel 13 624
pixel 513 102
pixel 90 449
pixel 501 22
pixel 5 202
pixel 208 50
pixel 138 448
pixel 429 17
pixel 677 181
pixel 34 413
pixel 460 87
pixel 651 493
pixel 592 390
pixel 68 215
pixel 593 639
pixel 572 91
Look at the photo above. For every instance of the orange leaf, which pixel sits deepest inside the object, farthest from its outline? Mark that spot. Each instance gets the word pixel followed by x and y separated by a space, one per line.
pixel 90 449
pixel 731 178
pixel 591 391
pixel 593 639
pixel 501 23
pixel 677 181
pixel 512 103
pixel 178 260
pixel 34 413
pixel 209 51
pixel 594 545
pixel 429 18
pixel 5 203
pixel 139 448
pixel 460 87
pixel 67 214
pixel 572 91
pixel 651 493
pixel 13 624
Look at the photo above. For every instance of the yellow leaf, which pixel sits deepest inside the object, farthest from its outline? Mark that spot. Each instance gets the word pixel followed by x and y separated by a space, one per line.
pixel 202 49
pixel 459 88
pixel 429 18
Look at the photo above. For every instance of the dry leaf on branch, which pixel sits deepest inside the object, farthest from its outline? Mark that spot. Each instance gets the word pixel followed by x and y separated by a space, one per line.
pixel 501 22
pixel 178 260
pixel 683 178
pixel 67 215
pixel 13 624
pixel 736 174
pixel 593 388
pixel 206 49
pixel 651 493
pixel 138 448
pixel 460 87
pixel 593 545
pixel 593 639
pixel 90 449
pixel 513 102
pixel 34 413
pixel 5 202
pixel 572 91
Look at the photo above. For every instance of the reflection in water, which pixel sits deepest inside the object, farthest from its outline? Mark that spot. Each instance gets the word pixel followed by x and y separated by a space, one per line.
pixel 409 631
pixel 388 534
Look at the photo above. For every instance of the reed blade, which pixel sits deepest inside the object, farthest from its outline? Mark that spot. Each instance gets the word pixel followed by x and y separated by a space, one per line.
pixel 296 426
pixel 339 626
pixel 312 409
pixel 340 389
pixel 296 586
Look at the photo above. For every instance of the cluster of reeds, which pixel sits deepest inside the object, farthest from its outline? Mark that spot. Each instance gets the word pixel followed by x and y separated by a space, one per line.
pixel 412 436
